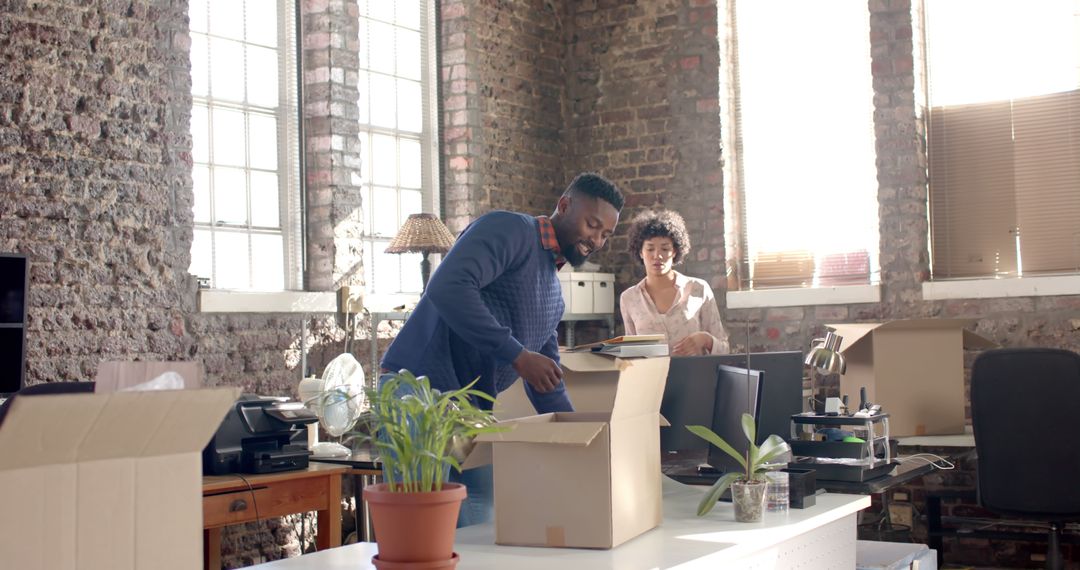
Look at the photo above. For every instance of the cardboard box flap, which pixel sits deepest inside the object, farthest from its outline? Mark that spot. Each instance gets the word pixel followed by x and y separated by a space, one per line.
pixel 554 432
pixel 50 430
pixel 592 362
pixel 162 422
pixel 47 430
pixel 975 340
pixel 641 393
pixel 854 332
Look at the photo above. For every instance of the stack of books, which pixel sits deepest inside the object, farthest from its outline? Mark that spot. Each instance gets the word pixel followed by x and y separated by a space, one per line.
pixel 628 346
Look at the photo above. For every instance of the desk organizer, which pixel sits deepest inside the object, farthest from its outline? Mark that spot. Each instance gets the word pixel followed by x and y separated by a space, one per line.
pixel 838 460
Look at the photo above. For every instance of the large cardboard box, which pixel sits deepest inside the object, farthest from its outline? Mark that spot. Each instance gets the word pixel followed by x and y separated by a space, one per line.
pixel 106 481
pixel 587 479
pixel 914 368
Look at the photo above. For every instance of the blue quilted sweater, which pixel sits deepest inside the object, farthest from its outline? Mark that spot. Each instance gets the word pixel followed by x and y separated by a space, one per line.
pixel 494 293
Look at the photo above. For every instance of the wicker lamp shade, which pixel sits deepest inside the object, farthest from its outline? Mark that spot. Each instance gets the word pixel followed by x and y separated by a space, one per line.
pixel 422 233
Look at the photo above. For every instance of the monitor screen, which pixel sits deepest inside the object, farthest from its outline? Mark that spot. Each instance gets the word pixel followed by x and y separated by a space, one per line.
pixel 738 391
pixel 690 394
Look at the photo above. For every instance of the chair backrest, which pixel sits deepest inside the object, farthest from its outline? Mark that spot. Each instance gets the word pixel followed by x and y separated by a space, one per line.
pixel 1025 409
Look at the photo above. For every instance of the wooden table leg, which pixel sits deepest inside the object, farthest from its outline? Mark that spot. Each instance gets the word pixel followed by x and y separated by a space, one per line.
pixel 329 520
pixel 212 548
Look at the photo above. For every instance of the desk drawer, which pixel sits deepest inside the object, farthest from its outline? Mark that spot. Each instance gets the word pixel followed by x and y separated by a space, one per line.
pixel 272 500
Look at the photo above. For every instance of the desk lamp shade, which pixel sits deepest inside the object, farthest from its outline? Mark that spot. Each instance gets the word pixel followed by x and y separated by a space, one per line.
pixel 424 234
pixel 824 358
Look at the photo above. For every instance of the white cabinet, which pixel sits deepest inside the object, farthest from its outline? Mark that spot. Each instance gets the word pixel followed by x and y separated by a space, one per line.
pixel 588 293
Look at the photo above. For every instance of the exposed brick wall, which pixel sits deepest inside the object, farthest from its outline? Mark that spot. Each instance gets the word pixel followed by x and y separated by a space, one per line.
pixel 503 71
pixel 95 179
pixel 643 98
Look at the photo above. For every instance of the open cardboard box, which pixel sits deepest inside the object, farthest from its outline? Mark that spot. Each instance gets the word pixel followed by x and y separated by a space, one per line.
pixel 914 368
pixel 106 481
pixel 586 479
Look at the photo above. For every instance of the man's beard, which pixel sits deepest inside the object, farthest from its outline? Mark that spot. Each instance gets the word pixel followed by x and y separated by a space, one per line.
pixel 573 255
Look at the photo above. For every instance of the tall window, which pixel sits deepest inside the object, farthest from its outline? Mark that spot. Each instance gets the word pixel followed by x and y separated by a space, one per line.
pixel 1004 137
pixel 245 144
pixel 799 141
pixel 397 132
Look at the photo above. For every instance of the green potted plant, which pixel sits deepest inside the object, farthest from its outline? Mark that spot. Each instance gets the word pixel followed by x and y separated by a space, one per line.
pixel 419 433
pixel 748 487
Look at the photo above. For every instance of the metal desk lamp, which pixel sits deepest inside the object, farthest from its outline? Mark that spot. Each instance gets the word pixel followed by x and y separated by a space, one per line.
pixel 824 358
pixel 424 234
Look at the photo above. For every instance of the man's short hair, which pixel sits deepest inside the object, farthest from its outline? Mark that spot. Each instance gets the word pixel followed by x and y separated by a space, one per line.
pixel 592 184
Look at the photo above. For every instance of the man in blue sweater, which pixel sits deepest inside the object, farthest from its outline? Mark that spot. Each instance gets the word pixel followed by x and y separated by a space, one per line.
pixel 491 309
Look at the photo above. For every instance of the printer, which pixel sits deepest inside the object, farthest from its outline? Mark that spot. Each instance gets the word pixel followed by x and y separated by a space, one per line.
pixel 257 436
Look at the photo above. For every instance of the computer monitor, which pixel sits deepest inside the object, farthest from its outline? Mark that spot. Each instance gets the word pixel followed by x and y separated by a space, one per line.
pixel 738 391
pixel 690 394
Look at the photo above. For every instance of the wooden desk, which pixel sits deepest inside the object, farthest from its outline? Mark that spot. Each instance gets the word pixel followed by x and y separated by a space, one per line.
pixel 820 537
pixel 234 499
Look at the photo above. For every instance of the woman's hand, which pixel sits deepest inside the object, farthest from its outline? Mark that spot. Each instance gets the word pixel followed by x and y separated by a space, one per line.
pixel 693 345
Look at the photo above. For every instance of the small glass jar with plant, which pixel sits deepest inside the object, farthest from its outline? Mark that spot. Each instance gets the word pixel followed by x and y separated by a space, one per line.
pixel 748 486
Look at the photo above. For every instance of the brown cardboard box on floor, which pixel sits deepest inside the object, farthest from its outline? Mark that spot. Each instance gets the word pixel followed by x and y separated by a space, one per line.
pixel 914 368
pixel 586 479
pixel 106 481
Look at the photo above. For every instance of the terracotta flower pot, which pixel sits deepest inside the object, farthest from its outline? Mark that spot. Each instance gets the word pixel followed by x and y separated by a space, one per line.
pixel 415 527
pixel 749 500
pixel 448 564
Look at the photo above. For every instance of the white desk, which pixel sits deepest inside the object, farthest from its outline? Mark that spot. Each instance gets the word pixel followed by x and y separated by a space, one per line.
pixel 822 537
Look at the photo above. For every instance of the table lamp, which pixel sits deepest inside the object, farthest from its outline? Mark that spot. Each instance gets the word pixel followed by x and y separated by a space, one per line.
pixel 424 234
pixel 824 358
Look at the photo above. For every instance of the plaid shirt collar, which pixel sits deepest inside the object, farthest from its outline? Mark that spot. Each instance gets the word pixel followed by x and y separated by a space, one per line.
pixel 549 241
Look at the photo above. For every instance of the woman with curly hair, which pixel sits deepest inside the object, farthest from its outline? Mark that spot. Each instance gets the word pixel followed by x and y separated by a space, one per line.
pixel 665 301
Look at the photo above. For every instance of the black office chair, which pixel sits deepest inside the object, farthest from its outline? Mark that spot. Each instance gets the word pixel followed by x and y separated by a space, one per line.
pixel 1024 407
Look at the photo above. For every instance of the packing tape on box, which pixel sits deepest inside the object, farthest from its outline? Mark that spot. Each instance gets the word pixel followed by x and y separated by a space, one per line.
pixel 556 536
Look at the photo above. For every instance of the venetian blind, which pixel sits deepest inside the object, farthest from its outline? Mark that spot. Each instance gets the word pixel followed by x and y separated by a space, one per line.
pixel 1004 137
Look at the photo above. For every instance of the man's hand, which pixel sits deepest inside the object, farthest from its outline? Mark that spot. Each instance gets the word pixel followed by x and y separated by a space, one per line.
pixel 693 345
pixel 541 372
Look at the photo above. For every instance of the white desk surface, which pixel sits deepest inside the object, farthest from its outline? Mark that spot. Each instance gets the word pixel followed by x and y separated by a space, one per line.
pixel 683 541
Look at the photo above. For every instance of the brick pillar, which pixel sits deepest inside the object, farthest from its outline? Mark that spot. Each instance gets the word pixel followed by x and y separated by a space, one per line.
pixel 334 201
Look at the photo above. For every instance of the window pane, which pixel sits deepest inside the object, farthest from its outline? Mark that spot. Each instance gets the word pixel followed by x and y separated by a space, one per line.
pixel 383 160
pixel 227 18
pixel 228 137
pixel 381 52
pixel 408 54
pixel 410 111
pixel 267 262
pixel 363 43
pixel 384 211
pixel 197 12
pixel 362 99
pixel 381 10
pixel 383 103
pixel 265 206
pixel 226 58
pixel 200 134
pixel 262 26
pixel 230 196
pixel 365 157
pixel 200 65
pixel 231 260
pixel 201 177
pixel 408 14
pixel 411 277
pixel 411 203
pixel 264 141
pixel 202 249
pixel 387 271
pixel 409 158
pixel 262 76
pixel 369 263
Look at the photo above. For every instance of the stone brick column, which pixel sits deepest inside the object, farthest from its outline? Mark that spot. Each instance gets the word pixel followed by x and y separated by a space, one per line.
pixel 334 208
